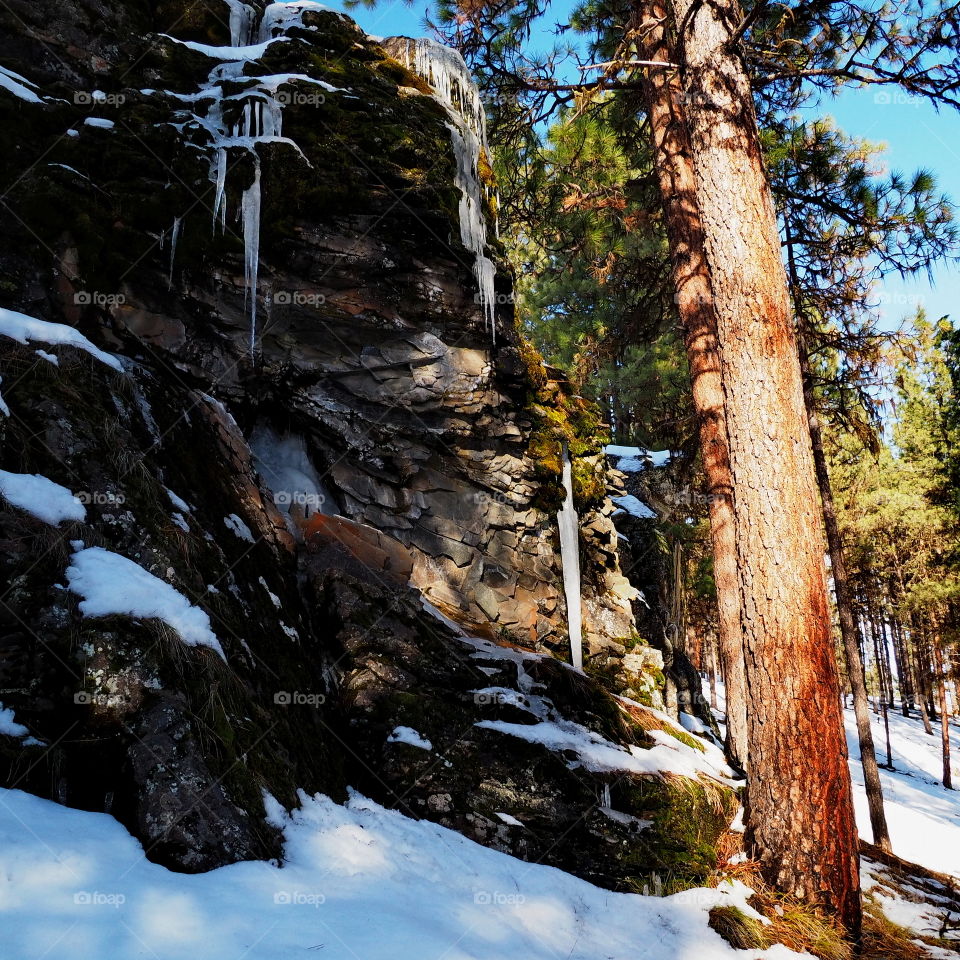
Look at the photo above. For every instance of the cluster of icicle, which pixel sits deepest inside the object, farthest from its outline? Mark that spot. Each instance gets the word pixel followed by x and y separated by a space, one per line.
pixel 259 120
pixel 445 71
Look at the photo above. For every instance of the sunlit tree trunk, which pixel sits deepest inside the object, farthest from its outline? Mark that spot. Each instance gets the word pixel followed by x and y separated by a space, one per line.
pixel 800 821
pixel 694 299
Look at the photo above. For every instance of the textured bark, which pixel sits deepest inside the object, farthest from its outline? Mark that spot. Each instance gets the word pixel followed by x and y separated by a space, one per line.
pixel 800 822
pixel 694 299
pixel 849 632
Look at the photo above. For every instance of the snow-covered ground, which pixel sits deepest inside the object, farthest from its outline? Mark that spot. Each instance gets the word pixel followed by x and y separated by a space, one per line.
pixel 357 881
pixel 922 816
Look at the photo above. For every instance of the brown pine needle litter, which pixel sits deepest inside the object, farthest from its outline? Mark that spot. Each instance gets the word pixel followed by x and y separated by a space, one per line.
pixel 801 927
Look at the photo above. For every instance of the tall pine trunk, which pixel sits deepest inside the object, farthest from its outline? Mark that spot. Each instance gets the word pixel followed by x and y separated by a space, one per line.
pixel 849 633
pixel 694 298
pixel 800 821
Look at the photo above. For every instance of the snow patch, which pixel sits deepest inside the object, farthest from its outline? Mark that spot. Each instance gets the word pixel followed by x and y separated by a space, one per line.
pixel 8 726
pixel 111 584
pixel 40 497
pixel 410 737
pixel 636 508
pixel 359 880
pixel 238 528
pixel 24 329
pixel 18 86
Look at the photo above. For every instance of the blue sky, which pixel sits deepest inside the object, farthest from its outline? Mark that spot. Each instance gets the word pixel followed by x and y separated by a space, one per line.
pixel 915 136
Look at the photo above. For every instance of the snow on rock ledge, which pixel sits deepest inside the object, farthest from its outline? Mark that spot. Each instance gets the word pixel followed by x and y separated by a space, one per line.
pixel 112 584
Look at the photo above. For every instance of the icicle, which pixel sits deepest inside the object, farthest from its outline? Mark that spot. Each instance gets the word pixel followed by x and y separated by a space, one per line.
pixel 241 22
pixel 569 524
pixel 445 70
pixel 473 226
pixel 174 236
pixel 250 213
pixel 606 801
pixel 219 177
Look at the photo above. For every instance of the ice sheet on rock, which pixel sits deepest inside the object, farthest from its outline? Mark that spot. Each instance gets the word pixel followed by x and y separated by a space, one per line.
pixel 40 497
pixel 111 584
pixel 509 820
pixel 444 69
pixel 569 524
pixel 4 409
pixel 285 16
pixel 24 329
pixel 242 17
pixel 410 737
pixel 636 508
pixel 19 86
pixel 288 471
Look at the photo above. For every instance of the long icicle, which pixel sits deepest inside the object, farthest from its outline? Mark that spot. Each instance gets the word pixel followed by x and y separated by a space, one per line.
pixel 250 213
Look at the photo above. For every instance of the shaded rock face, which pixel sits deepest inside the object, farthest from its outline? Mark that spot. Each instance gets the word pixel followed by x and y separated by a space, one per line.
pixel 283 475
pixel 647 567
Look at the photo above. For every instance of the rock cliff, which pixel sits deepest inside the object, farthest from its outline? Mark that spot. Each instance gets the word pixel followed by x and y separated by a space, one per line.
pixel 289 387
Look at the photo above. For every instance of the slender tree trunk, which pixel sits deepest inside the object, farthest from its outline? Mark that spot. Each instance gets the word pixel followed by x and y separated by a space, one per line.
pixel 885 637
pixel 694 298
pixel 849 633
pixel 936 643
pixel 910 637
pixel 876 627
pixel 903 669
pixel 921 697
pixel 800 820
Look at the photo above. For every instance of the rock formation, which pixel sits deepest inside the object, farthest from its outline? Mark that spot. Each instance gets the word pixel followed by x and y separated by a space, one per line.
pixel 315 438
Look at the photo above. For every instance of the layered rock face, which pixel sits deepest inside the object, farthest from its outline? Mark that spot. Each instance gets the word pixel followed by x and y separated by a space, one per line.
pixel 312 434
